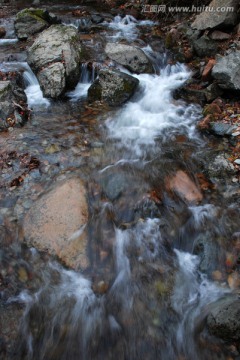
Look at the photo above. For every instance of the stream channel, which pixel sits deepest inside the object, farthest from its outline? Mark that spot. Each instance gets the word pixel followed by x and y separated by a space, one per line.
pixel 157 263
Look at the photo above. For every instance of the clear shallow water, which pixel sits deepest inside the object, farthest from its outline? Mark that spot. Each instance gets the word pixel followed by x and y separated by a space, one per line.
pixel 155 297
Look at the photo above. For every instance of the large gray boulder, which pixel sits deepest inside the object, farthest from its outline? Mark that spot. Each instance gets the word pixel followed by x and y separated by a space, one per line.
pixel 112 87
pixel 224 319
pixel 56 221
pixel 131 57
pixel 215 18
pixel 227 71
pixel 55 57
pixel 32 21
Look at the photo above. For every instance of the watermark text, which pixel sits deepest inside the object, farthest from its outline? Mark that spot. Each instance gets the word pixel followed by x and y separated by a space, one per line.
pixel 185 9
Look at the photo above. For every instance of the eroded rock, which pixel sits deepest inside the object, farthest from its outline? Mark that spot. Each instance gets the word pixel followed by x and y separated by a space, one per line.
pixel 226 71
pixel 56 221
pixel 55 57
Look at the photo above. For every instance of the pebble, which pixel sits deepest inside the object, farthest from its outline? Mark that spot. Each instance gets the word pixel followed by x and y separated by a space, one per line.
pixel 51 149
pixel 234 179
pixel 237 161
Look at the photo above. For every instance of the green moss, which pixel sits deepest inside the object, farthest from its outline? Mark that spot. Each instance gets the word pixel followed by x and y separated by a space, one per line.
pixel 32 12
pixel 95 92
pixel 37 14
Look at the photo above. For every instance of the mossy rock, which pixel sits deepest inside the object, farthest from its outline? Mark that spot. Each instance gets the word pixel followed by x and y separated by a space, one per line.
pixel 32 21
pixel 112 87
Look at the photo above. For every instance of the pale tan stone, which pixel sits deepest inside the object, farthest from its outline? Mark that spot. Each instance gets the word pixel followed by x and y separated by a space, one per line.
pixel 56 223
pixel 185 188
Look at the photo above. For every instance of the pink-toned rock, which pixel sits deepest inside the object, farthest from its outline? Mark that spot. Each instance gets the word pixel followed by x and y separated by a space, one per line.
pixel 207 70
pixel 219 35
pixel 56 222
pixel 184 187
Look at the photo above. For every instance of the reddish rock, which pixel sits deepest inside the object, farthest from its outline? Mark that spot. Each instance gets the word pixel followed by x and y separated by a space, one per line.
pixel 2 32
pixel 184 187
pixel 212 109
pixel 56 222
pixel 219 35
pixel 207 70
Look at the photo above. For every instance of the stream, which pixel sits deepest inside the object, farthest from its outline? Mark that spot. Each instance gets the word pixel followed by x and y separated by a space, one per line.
pixel 157 263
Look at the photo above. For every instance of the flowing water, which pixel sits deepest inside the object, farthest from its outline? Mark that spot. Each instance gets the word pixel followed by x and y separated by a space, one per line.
pixel 148 290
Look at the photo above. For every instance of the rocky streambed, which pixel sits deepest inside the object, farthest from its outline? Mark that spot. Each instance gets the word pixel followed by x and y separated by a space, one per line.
pixel 119 193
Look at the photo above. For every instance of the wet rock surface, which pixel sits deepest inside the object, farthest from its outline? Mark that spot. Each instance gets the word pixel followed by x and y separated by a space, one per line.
pixel 224 319
pixel 184 187
pixel 113 87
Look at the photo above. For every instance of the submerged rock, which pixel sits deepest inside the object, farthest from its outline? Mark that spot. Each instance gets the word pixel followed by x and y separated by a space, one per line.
pixel 131 57
pixel 55 57
pixel 224 319
pixel 184 187
pixel 220 167
pixel 226 71
pixel 208 251
pixel 32 21
pixel 56 221
pixel 215 18
pixel 113 87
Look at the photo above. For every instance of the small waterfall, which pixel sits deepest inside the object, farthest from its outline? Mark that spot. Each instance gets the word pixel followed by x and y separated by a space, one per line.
pixel 126 27
pixel 86 78
pixel 33 91
pixel 155 113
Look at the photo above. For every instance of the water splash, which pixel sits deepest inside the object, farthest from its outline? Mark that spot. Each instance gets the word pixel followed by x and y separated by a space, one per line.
pixel 191 298
pixel 33 91
pixel 126 27
pixel 86 78
pixel 4 42
pixel 155 114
